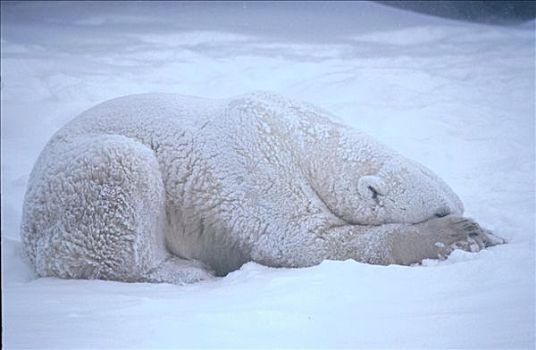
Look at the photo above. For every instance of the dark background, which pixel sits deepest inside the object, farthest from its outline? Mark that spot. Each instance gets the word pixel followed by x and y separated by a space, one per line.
pixel 496 12
pixel 304 21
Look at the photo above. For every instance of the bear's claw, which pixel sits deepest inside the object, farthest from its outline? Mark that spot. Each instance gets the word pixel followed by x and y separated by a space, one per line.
pixel 464 234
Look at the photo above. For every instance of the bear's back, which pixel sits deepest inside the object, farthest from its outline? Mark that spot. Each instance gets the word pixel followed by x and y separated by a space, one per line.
pixel 137 116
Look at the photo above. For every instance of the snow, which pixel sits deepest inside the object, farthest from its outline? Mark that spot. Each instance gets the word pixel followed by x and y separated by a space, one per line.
pixel 455 96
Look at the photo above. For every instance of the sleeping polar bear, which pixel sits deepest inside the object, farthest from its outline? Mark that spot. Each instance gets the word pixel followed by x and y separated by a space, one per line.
pixel 168 188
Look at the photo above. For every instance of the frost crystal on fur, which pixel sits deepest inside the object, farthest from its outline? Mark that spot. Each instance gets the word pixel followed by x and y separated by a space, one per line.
pixel 168 188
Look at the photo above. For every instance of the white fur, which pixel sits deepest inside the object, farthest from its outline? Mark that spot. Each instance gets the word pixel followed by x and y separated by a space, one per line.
pixel 168 188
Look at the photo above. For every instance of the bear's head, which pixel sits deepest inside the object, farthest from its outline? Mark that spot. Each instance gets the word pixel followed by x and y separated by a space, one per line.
pixel 400 191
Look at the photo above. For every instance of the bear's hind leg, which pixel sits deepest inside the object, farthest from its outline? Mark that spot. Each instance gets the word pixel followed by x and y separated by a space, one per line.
pixel 95 209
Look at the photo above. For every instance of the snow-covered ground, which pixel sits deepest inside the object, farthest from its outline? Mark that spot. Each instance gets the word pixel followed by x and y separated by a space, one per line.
pixel 456 96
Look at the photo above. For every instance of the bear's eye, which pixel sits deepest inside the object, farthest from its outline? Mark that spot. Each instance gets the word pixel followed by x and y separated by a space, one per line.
pixel 441 213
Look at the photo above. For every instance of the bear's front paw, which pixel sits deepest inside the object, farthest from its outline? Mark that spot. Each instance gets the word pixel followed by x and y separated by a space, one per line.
pixel 461 233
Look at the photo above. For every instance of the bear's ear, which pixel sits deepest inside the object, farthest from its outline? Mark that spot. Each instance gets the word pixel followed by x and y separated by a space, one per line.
pixel 371 186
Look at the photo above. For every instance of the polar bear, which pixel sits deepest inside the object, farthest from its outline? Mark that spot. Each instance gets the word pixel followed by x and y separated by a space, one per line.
pixel 177 189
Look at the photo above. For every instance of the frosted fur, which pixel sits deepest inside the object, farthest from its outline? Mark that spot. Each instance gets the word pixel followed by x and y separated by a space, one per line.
pixel 169 188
